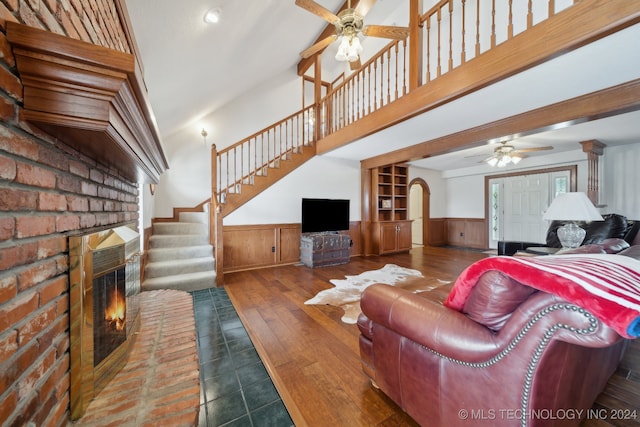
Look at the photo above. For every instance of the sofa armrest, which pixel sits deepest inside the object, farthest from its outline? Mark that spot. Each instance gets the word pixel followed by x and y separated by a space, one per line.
pixel 428 322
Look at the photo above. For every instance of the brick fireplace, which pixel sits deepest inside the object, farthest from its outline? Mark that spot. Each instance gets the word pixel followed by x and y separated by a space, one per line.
pixel 104 307
pixel 77 143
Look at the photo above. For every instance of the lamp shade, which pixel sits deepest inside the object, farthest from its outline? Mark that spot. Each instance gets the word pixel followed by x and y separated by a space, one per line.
pixel 572 207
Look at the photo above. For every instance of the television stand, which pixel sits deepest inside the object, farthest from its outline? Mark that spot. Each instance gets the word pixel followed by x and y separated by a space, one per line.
pixel 323 249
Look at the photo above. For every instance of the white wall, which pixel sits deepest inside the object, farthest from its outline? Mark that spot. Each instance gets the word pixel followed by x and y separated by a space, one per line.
pixel 321 177
pixel 187 182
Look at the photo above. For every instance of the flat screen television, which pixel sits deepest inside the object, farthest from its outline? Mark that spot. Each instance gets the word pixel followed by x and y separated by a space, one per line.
pixel 321 215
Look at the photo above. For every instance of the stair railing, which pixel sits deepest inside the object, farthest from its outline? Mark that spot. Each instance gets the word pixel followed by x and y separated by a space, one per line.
pixel 241 162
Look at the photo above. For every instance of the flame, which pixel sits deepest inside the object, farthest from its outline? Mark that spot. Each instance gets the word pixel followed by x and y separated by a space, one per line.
pixel 115 313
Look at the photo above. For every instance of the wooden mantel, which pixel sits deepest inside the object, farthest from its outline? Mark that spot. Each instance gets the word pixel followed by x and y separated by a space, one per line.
pixel 89 97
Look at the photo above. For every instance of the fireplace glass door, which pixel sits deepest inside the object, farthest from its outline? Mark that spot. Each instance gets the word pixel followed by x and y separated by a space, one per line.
pixel 109 313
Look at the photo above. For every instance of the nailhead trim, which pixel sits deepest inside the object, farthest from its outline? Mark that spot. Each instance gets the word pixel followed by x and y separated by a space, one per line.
pixel 533 363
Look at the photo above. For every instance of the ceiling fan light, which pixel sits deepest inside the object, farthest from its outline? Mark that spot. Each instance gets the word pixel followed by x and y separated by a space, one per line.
pixel 493 161
pixel 212 16
pixel 343 50
pixel 515 159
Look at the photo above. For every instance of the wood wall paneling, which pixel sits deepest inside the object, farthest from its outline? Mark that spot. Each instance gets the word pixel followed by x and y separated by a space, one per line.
pixel 248 247
pixel 466 232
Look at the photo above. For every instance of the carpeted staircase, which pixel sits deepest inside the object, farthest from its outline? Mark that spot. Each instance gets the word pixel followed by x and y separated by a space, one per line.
pixel 180 256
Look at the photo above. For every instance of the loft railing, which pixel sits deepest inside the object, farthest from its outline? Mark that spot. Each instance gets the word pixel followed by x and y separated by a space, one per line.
pixel 240 163
pixel 451 33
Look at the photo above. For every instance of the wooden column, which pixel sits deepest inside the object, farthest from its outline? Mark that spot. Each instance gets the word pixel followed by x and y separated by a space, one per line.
pixel 594 150
pixel 215 220
pixel 415 45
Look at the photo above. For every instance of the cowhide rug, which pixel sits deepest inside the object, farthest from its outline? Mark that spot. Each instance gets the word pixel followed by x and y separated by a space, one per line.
pixel 347 292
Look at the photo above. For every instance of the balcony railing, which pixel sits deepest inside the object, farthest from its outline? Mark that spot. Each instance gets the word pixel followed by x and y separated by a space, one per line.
pixel 451 33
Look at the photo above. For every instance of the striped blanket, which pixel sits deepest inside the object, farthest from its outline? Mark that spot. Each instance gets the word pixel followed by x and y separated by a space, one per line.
pixel 606 285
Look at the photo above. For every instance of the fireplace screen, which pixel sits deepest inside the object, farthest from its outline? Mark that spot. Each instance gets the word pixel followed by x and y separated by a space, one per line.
pixel 104 289
pixel 109 314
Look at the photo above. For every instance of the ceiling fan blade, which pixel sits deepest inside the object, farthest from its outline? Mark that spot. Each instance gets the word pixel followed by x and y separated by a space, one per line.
pixel 310 51
pixel 529 150
pixel 364 6
pixel 355 65
pixel 316 9
pixel 386 31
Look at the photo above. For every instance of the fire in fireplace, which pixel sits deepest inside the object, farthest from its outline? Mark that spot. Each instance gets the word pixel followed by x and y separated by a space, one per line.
pixel 104 286
pixel 109 314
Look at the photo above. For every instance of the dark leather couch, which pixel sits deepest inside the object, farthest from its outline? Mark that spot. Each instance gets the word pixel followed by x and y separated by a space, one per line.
pixel 614 226
pixel 515 356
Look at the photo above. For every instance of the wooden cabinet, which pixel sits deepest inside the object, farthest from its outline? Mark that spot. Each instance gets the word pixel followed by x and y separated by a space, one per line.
pixel 392 236
pixel 391 227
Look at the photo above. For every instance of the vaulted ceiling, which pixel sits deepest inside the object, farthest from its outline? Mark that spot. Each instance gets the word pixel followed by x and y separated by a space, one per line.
pixel 193 68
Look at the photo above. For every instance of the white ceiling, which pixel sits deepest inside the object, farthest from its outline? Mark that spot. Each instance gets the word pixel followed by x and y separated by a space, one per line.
pixel 192 69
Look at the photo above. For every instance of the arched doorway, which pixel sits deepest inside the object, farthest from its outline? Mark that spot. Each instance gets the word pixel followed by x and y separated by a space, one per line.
pixel 419 197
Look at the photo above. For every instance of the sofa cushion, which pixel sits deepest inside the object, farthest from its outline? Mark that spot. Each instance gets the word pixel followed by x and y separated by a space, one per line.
pixel 494 298
pixel 613 226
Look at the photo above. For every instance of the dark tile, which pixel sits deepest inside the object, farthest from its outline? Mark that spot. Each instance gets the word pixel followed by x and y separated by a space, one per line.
pixel 240 422
pixel 226 408
pixel 235 333
pixel 202 416
pixel 216 367
pixel 239 345
pixel 272 415
pixel 246 357
pixel 232 323
pixel 218 386
pixel 250 374
pixel 260 394
pixel 210 353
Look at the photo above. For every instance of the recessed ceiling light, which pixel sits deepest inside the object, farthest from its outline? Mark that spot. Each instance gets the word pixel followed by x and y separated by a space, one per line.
pixel 212 16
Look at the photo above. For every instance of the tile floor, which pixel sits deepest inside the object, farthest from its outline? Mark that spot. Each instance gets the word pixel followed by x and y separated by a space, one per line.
pixel 235 387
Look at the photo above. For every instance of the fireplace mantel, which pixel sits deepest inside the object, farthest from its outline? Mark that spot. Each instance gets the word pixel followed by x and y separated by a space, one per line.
pixel 90 97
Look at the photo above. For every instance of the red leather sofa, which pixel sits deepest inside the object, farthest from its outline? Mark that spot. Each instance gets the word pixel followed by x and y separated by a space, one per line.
pixel 514 356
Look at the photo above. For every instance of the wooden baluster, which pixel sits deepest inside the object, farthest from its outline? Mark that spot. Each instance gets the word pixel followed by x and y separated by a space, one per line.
pixel 397 78
pixel 450 36
pixel 493 23
pixel 427 54
pixel 369 109
pixel 530 15
pixel 389 76
pixel 463 56
pixel 552 8
pixel 381 102
pixel 510 25
pixel 477 28
pixel 227 172
pixel 404 67
pixel 439 50
pixel 357 95
pixel 375 84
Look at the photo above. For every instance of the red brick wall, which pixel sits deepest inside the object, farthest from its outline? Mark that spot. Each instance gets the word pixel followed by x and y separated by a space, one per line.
pixel 47 191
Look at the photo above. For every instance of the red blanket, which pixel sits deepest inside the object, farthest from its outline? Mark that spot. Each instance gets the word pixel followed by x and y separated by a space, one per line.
pixel 606 285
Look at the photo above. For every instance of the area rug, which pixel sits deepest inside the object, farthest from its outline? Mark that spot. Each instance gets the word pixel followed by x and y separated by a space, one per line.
pixel 347 292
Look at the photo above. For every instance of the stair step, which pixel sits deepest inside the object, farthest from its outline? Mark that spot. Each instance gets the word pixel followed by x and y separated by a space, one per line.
pixel 201 217
pixel 184 282
pixel 177 240
pixel 179 253
pixel 178 266
pixel 165 228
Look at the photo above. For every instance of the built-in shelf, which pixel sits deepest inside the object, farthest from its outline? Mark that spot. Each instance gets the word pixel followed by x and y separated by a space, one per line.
pixel 90 97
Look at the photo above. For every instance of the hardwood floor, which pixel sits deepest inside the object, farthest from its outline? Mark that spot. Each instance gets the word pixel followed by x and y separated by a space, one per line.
pixel 313 357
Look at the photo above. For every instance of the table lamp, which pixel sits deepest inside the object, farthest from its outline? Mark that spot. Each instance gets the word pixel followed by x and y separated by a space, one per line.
pixel 572 207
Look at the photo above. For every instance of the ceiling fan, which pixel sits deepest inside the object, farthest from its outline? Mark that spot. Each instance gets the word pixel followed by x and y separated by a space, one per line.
pixel 505 154
pixel 349 25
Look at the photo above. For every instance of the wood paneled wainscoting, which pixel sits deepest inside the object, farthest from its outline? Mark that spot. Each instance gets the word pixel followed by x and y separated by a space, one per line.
pixel 463 232
pixel 247 247
pixel 467 232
